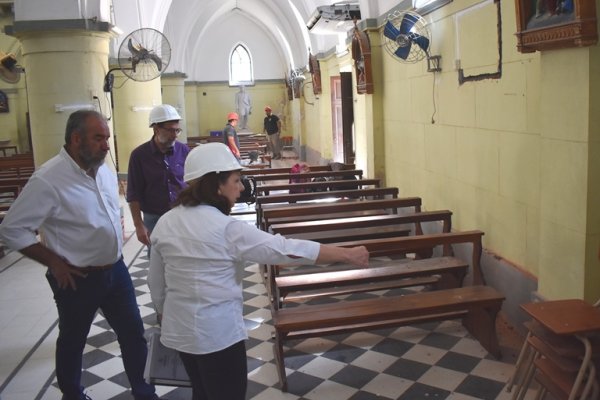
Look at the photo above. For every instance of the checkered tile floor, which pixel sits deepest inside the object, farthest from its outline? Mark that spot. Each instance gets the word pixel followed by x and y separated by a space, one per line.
pixel 428 361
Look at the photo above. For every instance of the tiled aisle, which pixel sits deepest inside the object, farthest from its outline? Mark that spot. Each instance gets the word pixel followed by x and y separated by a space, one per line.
pixel 431 361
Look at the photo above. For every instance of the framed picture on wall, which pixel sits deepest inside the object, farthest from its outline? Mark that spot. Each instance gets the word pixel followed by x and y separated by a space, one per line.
pixel 555 24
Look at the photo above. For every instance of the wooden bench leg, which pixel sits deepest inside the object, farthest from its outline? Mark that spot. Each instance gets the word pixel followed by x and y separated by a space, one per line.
pixel 450 281
pixel 279 363
pixel 481 323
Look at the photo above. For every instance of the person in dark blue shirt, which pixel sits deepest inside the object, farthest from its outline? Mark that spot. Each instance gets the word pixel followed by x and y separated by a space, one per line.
pixel 155 173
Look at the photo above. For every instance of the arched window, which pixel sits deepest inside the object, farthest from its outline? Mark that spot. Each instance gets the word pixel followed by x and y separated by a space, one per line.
pixel 240 66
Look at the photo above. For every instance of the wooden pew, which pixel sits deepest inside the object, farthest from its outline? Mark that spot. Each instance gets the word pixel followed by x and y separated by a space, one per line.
pixel 307 212
pixel 362 222
pixel 313 168
pixel 317 186
pixel 438 273
pixel 293 198
pixel 16 170
pixel 309 175
pixel 477 305
pixel 329 231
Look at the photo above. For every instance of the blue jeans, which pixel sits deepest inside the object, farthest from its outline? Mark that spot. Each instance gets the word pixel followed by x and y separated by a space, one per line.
pixel 112 292
pixel 150 221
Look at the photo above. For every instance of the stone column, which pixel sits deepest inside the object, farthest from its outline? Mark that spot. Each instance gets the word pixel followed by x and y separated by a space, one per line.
pixel 132 102
pixel 173 93
pixel 65 70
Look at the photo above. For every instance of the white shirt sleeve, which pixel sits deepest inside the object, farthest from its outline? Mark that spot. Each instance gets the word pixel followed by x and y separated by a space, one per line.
pixel 156 279
pixel 35 203
pixel 251 244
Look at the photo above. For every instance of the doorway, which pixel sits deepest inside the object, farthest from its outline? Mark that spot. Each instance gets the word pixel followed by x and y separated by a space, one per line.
pixel 342 112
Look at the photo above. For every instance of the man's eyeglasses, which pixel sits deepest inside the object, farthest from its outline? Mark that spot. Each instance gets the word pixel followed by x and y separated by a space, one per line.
pixel 172 131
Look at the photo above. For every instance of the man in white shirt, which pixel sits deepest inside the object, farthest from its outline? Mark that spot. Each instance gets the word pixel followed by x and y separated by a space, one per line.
pixel 72 200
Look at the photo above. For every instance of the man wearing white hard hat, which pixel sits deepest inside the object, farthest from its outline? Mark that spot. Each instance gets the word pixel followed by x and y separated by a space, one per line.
pixel 155 173
pixel 197 262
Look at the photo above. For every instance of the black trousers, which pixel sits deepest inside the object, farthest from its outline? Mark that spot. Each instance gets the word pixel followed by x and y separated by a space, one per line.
pixel 220 375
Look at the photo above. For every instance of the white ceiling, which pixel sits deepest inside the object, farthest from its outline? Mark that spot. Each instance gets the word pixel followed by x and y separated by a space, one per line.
pixel 202 33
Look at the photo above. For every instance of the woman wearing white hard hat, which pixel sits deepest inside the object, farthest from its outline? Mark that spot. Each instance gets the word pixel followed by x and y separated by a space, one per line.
pixel 198 256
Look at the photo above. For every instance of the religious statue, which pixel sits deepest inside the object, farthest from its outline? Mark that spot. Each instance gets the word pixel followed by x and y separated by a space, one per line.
pixel 243 106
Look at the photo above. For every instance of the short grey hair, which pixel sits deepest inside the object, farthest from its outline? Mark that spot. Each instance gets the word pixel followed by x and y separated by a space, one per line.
pixel 77 122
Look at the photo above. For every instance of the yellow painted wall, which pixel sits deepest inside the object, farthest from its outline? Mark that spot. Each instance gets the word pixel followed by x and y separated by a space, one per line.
pixel 173 93
pixel 592 245
pixel 132 104
pixel 191 109
pixel 517 157
pixel 214 100
pixel 13 125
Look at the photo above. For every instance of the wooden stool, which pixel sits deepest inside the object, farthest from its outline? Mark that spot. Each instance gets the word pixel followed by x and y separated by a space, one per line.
pixel 558 350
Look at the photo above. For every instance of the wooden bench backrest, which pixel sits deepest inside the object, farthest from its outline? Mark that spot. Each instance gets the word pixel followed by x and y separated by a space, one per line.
pixel 362 222
pixel 328 208
pixel 354 193
pixel 408 244
pixel 313 168
pixel 288 198
pixel 309 175
pixel 16 162
pixel 300 212
pixel 318 185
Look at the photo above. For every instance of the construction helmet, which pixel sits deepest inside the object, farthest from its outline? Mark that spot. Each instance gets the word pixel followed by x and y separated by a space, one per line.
pixel 268 109
pixel 232 115
pixel 163 113
pixel 209 157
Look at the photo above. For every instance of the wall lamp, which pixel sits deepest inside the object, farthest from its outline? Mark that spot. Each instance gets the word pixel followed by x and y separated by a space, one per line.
pixel 141 108
pixel 58 108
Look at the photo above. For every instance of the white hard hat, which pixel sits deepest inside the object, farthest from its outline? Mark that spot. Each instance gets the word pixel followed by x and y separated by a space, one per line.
pixel 209 157
pixel 163 113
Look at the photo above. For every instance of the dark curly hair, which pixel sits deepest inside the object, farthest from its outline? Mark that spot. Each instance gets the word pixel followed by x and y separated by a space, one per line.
pixel 205 190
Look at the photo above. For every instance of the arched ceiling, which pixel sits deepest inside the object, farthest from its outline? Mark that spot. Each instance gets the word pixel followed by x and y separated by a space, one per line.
pixel 193 26
pixel 196 28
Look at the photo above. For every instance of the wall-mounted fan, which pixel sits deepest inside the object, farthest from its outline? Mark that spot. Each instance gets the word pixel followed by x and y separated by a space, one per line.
pixel 144 55
pixel 407 38
pixel 10 72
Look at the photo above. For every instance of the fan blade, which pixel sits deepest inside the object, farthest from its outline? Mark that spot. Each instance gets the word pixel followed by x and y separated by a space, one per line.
pixel 402 52
pixel 422 41
pixel 157 60
pixel 134 63
pixel 390 31
pixel 134 52
pixel 407 23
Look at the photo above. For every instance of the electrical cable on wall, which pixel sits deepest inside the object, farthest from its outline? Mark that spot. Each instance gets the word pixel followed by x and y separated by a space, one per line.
pixel 433 99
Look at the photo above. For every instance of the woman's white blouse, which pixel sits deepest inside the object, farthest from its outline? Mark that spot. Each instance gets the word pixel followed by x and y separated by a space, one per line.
pixel 197 263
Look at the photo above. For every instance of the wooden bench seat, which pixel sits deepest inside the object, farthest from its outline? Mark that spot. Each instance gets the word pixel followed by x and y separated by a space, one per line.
pixel 352 193
pixel 331 230
pixel 309 175
pixel 313 168
pixel 317 186
pixel 441 272
pixel 303 212
pixel 293 198
pixel 372 232
pixel 366 221
pixel 476 305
